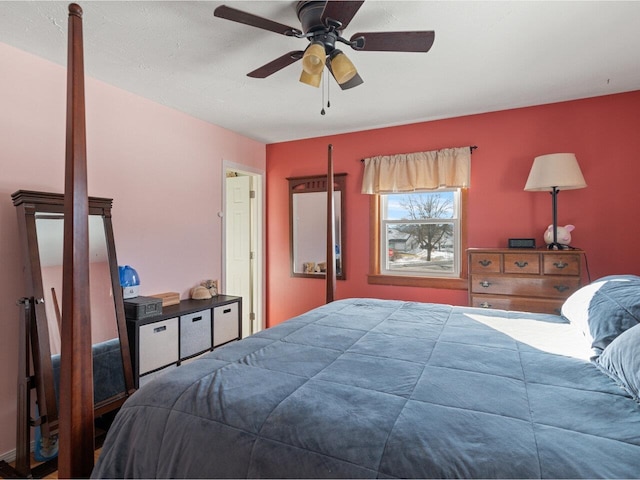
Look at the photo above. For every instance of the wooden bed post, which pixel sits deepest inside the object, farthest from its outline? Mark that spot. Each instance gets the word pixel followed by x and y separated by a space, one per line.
pixel 331 233
pixel 76 445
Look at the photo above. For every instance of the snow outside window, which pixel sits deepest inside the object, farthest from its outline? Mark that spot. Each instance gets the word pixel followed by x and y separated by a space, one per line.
pixel 420 233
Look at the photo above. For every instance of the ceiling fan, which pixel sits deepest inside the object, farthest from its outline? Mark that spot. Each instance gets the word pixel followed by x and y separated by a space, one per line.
pixel 322 24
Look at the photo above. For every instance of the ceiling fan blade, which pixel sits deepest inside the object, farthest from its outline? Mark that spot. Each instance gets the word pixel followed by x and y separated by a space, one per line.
pixel 343 11
pixel 396 41
pixel 276 65
pixel 239 16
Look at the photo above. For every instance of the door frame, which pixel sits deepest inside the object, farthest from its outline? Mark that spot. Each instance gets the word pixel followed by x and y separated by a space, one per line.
pixel 258 224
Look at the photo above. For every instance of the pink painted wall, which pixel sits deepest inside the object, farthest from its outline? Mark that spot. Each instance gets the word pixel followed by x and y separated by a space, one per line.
pixel 602 132
pixel 162 168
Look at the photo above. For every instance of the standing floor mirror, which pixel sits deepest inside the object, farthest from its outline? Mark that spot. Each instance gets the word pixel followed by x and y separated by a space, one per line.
pixel 40 220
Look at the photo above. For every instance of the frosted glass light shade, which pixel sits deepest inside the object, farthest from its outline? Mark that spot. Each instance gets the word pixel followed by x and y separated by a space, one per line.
pixel 314 58
pixel 313 80
pixel 342 68
pixel 560 170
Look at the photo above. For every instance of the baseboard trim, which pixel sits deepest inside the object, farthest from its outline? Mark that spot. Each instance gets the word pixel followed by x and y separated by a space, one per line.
pixel 10 456
pixel 40 470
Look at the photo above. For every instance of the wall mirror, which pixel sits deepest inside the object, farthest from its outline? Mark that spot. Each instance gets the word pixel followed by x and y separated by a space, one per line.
pixel 41 223
pixel 308 225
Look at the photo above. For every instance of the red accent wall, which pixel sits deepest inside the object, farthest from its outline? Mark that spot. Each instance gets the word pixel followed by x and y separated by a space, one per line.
pixel 603 132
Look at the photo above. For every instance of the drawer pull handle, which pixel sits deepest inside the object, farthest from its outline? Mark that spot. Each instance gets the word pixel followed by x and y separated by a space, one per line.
pixel 561 288
pixel 159 329
pixel 484 263
pixel 521 264
pixel 560 265
pixel 197 319
pixel 226 310
pixel 485 305
pixel 485 284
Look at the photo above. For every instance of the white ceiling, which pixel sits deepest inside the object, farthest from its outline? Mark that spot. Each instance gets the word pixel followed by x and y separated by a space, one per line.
pixel 487 56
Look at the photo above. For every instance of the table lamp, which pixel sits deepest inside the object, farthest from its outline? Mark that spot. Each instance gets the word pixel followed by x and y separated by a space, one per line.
pixel 552 173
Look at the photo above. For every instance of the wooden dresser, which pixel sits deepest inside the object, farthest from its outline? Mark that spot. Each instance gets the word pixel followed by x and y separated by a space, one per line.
pixel 530 280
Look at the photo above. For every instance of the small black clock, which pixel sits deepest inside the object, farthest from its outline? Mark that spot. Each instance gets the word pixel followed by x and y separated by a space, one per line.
pixel 522 243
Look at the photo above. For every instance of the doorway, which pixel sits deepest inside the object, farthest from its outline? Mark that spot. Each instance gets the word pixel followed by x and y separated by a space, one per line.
pixel 243 242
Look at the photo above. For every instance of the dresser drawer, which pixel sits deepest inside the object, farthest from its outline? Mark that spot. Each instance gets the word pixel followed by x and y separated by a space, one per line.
pixel 561 264
pixel 523 279
pixel 158 345
pixel 533 286
pixel 485 262
pixel 195 333
pixel 226 323
pixel 524 304
pixel 522 263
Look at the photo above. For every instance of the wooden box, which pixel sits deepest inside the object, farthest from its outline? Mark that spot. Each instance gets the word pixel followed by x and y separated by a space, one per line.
pixel 168 298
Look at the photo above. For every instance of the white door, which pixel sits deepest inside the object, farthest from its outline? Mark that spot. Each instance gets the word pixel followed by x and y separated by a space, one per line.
pixel 238 245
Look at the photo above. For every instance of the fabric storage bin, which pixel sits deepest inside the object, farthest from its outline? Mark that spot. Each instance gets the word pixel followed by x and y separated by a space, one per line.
pixel 225 323
pixel 158 345
pixel 195 333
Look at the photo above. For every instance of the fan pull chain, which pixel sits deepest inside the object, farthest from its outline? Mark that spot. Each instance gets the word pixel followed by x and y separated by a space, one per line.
pixel 322 112
pixel 328 93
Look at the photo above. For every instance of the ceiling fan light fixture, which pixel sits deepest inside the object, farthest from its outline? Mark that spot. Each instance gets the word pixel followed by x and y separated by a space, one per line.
pixel 342 68
pixel 322 24
pixel 312 80
pixel 314 58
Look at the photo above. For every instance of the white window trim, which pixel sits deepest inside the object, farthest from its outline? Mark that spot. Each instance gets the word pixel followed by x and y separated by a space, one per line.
pixel 455 221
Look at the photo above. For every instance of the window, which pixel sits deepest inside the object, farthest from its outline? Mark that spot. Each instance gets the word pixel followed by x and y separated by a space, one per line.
pixel 421 233
pixel 418 238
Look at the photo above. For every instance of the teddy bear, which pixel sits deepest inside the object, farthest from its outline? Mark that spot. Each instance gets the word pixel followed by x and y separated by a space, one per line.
pixel 206 289
pixel 563 234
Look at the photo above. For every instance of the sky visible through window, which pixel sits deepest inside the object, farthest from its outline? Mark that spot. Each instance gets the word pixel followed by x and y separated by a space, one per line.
pixel 395 211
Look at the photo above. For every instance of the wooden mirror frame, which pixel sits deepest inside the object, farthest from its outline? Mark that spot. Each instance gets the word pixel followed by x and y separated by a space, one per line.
pixel 311 184
pixel 28 205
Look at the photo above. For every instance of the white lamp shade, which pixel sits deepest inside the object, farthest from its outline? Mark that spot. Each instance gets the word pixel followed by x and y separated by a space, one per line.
pixel 560 170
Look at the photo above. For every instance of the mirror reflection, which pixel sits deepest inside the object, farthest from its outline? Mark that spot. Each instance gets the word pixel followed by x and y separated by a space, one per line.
pixel 50 233
pixel 308 225
pixel 309 233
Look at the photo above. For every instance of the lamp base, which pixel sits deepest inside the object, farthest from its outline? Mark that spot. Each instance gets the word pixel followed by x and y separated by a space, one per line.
pixel 558 246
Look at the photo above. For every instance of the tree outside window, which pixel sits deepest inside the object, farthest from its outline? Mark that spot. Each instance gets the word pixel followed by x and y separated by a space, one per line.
pixel 420 233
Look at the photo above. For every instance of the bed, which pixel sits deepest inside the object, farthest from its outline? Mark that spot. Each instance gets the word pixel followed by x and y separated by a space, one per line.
pixel 363 388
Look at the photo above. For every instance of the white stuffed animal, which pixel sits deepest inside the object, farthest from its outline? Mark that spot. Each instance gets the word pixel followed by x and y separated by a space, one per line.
pixel 563 235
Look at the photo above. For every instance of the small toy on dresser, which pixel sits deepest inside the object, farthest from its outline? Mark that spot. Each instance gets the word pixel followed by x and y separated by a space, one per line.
pixel 206 289
pixel 212 286
pixel 563 236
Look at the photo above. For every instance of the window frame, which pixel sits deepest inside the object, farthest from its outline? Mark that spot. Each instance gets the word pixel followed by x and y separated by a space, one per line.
pixel 375 277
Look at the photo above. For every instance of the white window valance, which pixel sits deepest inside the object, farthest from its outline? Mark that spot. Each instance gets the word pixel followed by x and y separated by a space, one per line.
pixel 449 167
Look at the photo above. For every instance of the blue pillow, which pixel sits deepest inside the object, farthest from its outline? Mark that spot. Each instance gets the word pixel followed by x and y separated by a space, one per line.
pixel 621 361
pixel 604 309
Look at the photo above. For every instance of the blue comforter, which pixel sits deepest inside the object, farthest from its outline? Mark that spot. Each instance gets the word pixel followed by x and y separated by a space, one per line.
pixel 366 388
